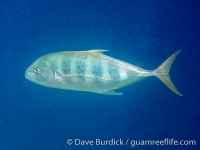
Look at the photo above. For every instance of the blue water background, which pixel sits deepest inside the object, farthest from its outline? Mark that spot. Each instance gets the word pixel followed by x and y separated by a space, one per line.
pixel 143 33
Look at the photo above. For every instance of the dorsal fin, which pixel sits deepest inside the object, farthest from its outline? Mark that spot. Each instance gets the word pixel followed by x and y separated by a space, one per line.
pixel 97 51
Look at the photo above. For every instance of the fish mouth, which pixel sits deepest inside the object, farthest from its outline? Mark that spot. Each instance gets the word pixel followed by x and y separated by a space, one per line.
pixel 26 75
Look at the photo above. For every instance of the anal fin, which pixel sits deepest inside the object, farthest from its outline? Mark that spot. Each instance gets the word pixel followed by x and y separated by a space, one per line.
pixel 112 92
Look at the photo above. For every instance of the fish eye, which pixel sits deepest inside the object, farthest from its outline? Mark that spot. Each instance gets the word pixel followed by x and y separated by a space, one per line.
pixel 37 70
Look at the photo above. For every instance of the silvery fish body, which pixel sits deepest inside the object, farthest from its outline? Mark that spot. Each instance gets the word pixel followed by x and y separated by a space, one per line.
pixel 92 71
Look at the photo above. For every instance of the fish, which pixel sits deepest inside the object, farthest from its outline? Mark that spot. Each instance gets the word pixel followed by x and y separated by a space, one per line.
pixel 93 71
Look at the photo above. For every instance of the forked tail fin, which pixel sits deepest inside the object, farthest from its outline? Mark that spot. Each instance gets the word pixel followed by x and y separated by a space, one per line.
pixel 162 72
